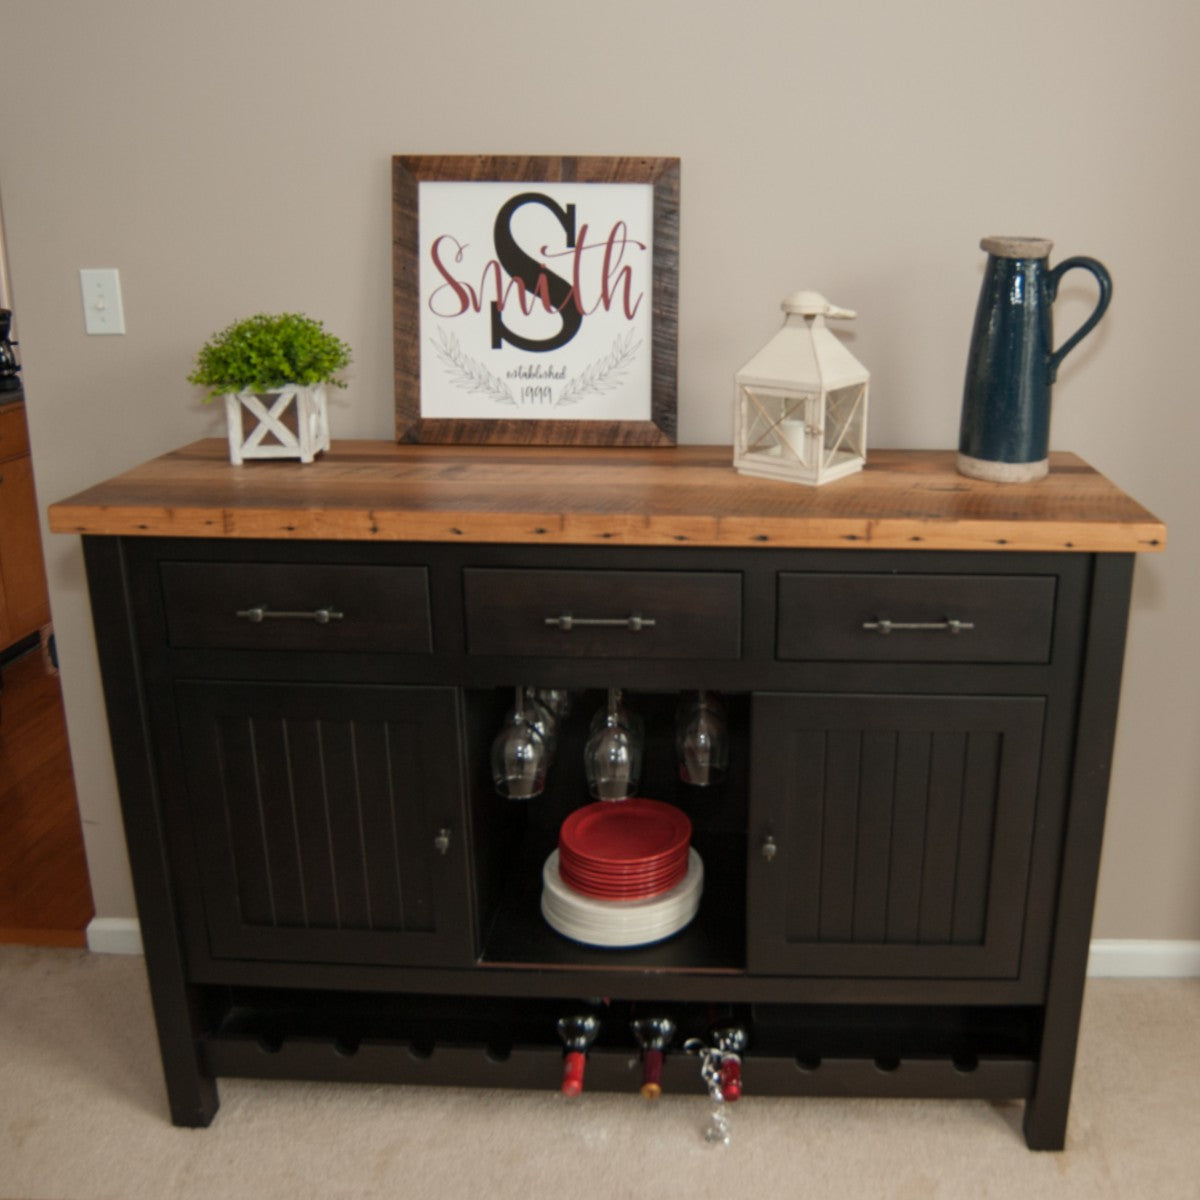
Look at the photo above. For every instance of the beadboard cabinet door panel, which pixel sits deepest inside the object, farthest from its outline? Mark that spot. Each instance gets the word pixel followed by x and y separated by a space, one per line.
pixel 901 833
pixel 329 821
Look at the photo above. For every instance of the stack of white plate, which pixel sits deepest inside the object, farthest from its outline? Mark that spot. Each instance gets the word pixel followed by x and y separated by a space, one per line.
pixel 597 922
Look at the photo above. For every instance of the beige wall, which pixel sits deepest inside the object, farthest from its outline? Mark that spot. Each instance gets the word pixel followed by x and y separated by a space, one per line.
pixel 230 156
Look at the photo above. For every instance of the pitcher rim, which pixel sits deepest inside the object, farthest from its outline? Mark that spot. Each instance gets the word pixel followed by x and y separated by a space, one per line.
pixel 1017 247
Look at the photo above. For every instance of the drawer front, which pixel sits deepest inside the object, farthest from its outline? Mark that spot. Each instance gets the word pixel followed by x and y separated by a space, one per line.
pixel 280 606
pixel 604 614
pixel 14 434
pixel 915 618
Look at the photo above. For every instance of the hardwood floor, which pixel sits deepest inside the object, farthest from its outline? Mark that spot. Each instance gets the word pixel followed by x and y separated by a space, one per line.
pixel 45 895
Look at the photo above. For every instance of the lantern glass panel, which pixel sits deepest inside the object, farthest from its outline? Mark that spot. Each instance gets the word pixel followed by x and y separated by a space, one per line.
pixel 845 425
pixel 779 426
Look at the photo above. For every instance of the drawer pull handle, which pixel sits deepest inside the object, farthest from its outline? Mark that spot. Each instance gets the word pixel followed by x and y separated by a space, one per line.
pixel 769 848
pixel 441 843
pixel 634 623
pixel 260 613
pixel 950 625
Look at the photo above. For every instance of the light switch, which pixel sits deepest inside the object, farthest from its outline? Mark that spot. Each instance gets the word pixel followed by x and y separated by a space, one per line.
pixel 102 309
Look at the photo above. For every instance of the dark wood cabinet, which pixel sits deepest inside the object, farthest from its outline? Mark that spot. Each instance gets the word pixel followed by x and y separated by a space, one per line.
pixel 899 868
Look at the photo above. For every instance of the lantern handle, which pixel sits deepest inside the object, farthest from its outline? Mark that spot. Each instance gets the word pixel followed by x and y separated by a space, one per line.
pixel 813 304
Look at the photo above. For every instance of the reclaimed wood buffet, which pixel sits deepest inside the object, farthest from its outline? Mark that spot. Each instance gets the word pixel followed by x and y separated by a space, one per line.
pixel 922 676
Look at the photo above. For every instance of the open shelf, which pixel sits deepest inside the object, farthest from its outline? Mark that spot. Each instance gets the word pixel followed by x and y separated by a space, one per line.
pixel 713 941
pixel 514 933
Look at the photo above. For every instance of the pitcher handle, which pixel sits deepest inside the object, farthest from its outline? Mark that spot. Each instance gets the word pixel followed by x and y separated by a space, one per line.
pixel 1103 279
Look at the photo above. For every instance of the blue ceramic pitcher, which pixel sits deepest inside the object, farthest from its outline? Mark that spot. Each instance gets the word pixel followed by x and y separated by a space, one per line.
pixel 1005 432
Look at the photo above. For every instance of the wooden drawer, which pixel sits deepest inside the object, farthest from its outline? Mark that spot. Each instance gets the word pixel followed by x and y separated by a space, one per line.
pixel 14 434
pixel 604 614
pixel 214 605
pixel 915 618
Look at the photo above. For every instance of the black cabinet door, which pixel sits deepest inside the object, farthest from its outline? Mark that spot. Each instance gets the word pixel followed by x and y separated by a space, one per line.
pixel 891 836
pixel 328 821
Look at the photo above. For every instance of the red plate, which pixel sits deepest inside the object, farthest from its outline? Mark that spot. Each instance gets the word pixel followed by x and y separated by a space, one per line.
pixel 625 833
pixel 637 894
pixel 612 871
pixel 602 874
pixel 582 879
pixel 614 874
pixel 636 890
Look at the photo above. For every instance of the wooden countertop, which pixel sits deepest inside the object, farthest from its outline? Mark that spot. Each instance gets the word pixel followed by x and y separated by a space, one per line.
pixel 688 495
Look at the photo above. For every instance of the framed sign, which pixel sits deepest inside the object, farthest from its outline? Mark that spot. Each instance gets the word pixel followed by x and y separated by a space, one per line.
pixel 535 299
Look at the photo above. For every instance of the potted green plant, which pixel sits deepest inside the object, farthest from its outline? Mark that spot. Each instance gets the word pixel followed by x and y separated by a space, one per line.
pixel 273 369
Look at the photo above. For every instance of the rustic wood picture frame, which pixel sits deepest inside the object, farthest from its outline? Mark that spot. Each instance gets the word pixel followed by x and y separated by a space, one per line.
pixel 661 174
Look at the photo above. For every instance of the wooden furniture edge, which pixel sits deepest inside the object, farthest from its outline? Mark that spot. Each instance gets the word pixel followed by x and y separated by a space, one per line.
pixel 689 495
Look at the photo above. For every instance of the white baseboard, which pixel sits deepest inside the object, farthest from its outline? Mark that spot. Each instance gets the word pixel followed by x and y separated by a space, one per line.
pixel 1131 958
pixel 114 935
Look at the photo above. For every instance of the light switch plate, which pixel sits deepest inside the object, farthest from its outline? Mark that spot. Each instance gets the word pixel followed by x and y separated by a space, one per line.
pixel 102 308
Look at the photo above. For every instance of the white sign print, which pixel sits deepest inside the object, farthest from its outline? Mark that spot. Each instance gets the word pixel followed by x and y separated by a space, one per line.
pixel 535 300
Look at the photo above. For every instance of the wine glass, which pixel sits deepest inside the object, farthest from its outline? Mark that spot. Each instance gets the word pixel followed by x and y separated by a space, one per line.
pixel 625 715
pixel 702 740
pixel 520 752
pixel 612 758
pixel 556 700
pixel 544 719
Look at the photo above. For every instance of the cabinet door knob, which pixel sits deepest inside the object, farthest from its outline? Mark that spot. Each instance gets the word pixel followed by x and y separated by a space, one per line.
pixel 769 848
pixel 441 843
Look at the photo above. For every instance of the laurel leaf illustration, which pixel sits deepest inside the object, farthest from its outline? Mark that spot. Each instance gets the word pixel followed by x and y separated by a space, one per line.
pixel 466 373
pixel 604 374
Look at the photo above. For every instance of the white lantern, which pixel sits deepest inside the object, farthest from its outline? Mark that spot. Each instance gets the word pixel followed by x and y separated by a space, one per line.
pixel 801 408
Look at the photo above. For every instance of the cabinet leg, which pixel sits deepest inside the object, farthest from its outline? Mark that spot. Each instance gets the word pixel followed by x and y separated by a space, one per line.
pixel 1046 1110
pixel 1046 1122
pixel 191 1090
pixel 193 1101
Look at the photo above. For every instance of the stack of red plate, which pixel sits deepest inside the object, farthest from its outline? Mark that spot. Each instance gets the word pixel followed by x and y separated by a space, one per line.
pixel 624 849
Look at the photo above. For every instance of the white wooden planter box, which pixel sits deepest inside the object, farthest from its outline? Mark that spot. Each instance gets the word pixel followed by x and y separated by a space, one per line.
pixel 291 422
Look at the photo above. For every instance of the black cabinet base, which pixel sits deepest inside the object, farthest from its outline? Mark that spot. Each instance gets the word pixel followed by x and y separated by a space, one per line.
pixel 948 1052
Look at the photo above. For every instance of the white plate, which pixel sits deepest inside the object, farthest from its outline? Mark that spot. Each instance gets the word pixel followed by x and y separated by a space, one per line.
pixel 614 923
pixel 617 921
pixel 610 938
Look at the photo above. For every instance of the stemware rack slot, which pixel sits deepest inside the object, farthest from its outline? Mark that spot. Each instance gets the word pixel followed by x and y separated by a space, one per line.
pixel 793 1049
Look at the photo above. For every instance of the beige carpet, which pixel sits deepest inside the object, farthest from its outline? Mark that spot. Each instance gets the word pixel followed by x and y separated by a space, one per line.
pixel 83 1116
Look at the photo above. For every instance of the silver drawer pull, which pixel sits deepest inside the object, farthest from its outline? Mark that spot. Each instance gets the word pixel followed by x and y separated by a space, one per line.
pixel 950 625
pixel 634 623
pixel 260 612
